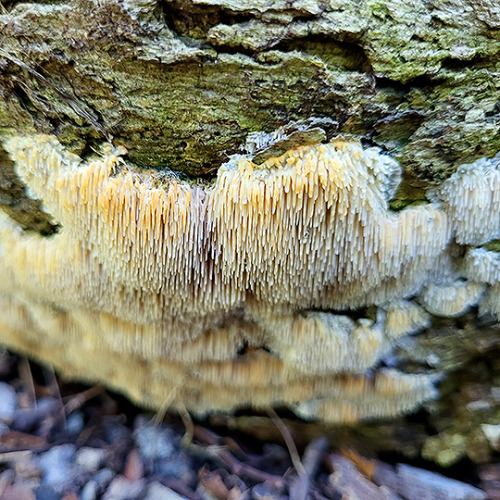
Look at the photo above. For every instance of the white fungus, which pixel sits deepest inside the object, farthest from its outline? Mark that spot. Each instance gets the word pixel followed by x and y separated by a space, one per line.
pixel 471 197
pixel 218 297
pixel 453 299
pixel 482 265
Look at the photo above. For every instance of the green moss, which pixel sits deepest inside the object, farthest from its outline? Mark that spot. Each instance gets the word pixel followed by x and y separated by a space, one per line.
pixel 421 85
pixel 493 246
pixel 445 449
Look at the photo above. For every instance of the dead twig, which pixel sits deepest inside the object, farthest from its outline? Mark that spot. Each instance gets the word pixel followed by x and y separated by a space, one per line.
pixel 245 470
pixel 313 455
pixel 290 443
pixel 15 456
pixel 187 439
pixel 6 478
pixel 214 451
pixel 58 416
pixel 76 401
pixel 160 414
pixel 27 380
pixel 306 469
pixel 312 458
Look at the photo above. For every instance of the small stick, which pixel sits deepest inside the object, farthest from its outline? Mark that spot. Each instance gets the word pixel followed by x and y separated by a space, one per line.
pixel 187 439
pixel 160 414
pixel 290 443
pixel 13 456
pixel 28 382
pixel 313 454
pixel 77 400
pixel 219 453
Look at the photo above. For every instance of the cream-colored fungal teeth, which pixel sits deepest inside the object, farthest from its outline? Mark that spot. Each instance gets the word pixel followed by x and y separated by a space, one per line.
pixel 386 171
pixel 207 341
pixel 482 265
pixel 451 300
pixel 321 343
pixel 491 302
pixel 387 394
pixel 213 289
pixel 328 223
pixel 471 197
pixel 318 212
pixel 258 379
pixel 405 318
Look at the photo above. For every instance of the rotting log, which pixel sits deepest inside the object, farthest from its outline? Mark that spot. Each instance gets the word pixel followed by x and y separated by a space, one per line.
pixel 181 85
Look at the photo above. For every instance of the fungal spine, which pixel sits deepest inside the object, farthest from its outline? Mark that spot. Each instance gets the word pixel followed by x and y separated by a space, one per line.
pixel 206 290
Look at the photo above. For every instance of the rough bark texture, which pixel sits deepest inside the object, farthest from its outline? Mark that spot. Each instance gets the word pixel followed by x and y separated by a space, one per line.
pixel 182 83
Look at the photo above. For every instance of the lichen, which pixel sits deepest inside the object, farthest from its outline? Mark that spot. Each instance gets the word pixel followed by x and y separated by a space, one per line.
pixel 407 76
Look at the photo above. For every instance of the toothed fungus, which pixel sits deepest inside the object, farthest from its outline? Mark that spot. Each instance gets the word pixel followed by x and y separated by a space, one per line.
pixel 471 197
pixel 491 302
pixel 484 265
pixel 218 297
pixel 404 318
pixel 452 299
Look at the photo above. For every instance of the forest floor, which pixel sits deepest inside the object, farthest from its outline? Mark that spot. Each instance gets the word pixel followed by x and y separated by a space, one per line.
pixel 60 440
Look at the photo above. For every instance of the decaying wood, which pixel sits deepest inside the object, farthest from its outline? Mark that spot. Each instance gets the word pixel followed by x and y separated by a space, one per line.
pixel 181 84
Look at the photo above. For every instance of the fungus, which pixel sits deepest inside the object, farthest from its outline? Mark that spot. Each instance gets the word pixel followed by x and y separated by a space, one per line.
pixel 451 300
pixel 370 398
pixel 482 265
pixel 491 302
pixel 346 346
pixel 405 318
pixel 222 294
pixel 71 343
pixel 310 227
pixel 471 197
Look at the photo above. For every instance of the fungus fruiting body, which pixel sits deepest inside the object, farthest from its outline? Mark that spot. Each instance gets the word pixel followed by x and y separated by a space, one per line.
pixel 450 300
pixel 162 287
pixel 471 197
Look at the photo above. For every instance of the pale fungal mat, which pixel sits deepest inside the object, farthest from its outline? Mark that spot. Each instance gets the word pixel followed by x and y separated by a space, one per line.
pixel 491 302
pixel 451 300
pixel 484 265
pixel 217 298
pixel 471 196
pixel 404 318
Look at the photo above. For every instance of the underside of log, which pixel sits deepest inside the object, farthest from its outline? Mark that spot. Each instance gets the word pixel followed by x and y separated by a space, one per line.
pixel 183 85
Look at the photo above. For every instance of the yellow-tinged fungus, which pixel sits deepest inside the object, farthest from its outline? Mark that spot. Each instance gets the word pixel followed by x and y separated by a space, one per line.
pixel 210 292
pixel 369 398
pixel 491 302
pixel 484 266
pixel 471 197
pixel 453 299
pixel 404 318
